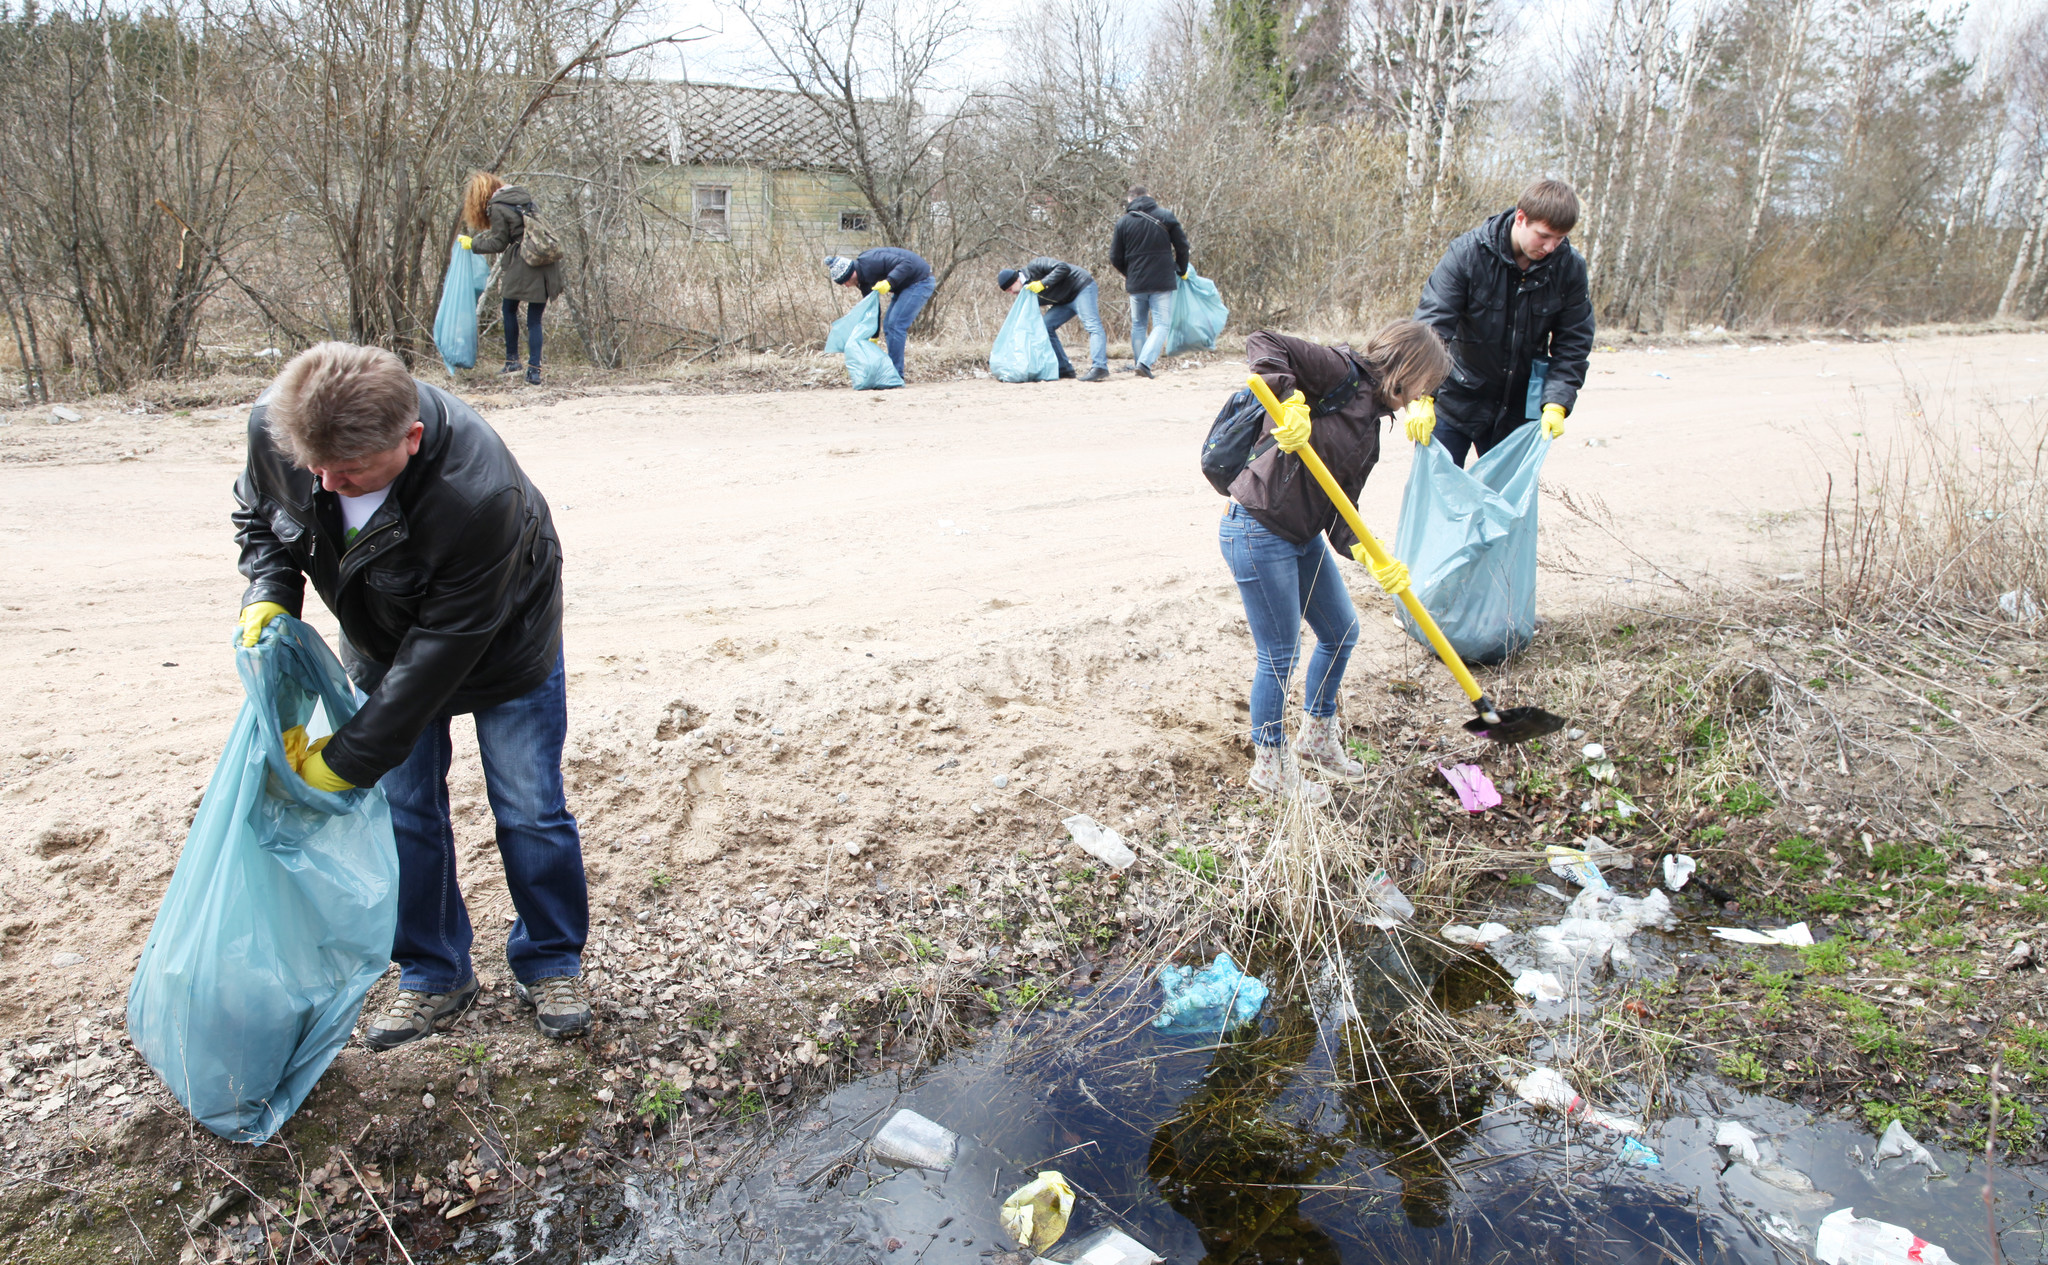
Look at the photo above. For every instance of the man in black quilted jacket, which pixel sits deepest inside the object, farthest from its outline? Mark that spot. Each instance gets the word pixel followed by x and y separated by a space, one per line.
pixel 1151 249
pixel 439 560
pixel 1509 299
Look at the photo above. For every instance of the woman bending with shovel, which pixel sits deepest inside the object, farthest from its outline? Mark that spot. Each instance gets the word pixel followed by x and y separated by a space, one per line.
pixel 1272 534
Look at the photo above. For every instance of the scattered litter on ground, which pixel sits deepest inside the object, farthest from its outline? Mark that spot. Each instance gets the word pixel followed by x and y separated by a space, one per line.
pixel 1484 933
pixel 1678 870
pixel 911 1141
pixel 1475 790
pixel 1036 1213
pixel 1606 855
pixel 1100 842
pixel 1394 907
pixel 2019 606
pixel 1847 1239
pixel 1598 766
pixel 1208 1000
pixel 1541 985
pixel 1638 1155
pixel 1750 1150
pixel 1897 1142
pixel 1795 936
pixel 1548 890
pixel 1739 1142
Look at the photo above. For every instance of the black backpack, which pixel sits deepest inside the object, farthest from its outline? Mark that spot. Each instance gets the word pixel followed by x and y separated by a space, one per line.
pixel 1234 442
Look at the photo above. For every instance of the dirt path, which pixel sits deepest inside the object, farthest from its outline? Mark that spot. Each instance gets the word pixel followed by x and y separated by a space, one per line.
pixel 807 632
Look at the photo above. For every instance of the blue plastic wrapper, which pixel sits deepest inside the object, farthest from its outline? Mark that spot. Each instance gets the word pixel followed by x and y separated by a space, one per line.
pixel 280 915
pixel 1023 350
pixel 1209 1000
pixel 455 320
pixel 867 361
pixel 1198 313
pixel 1468 538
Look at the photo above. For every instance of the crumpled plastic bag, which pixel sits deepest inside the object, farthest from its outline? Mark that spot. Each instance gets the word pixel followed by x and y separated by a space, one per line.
pixel 1847 1239
pixel 1468 539
pixel 856 336
pixel 280 914
pixel 1600 921
pixel 1023 349
pixel 455 320
pixel 1209 1000
pixel 1036 1213
pixel 1198 314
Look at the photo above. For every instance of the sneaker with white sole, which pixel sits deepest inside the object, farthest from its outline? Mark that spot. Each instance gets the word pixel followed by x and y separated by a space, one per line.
pixel 558 1005
pixel 413 1013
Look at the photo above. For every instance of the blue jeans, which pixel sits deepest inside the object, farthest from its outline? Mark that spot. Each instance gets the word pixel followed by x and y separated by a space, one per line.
pixel 1154 310
pixel 903 309
pixel 521 745
pixel 1282 584
pixel 1088 306
pixel 533 336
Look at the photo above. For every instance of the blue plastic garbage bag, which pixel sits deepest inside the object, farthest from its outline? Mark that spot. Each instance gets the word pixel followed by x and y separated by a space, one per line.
pixel 1198 313
pixel 867 360
pixel 280 914
pixel 1023 350
pixel 1468 538
pixel 1209 1000
pixel 455 320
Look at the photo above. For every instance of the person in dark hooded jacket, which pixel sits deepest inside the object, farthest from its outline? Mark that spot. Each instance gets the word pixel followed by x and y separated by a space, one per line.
pixel 1064 292
pixel 1151 249
pixel 496 213
pixel 1510 300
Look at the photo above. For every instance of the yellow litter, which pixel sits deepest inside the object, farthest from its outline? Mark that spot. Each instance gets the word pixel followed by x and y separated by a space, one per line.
pixel 1036 1215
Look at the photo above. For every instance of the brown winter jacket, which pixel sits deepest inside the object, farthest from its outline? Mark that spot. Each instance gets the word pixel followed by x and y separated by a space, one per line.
pixel 1277 488
pixel 519 282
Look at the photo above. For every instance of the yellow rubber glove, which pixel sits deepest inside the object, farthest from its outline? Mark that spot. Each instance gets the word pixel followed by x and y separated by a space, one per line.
pixel 1421 418
pixel 1291 431
pixel 307 761
pixel 463 241
pixel 255 616
pixel 882 286
pixel 1393 577
pixel 1553 420
pixel 1036 287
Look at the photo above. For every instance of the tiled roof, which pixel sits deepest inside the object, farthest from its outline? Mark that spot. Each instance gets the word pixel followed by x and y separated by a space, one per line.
pixel 719 125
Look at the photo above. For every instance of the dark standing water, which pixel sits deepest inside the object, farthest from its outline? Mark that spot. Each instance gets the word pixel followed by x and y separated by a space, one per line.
pixel 1266 1149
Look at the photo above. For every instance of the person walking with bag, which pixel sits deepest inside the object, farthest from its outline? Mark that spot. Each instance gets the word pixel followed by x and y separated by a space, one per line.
pixel 506 221
pixel 1065 291
pixel 1272 535
pixel 1510 299
pixel 904 275
pixel 1151 249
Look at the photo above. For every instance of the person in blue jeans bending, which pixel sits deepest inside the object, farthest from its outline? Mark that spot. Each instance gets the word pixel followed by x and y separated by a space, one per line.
pixel 902 274
pixel 440 562
pixel 1272 535
pixel 1064 292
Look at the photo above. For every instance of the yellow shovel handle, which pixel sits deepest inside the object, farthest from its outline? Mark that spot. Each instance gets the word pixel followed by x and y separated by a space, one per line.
pixel 1372 546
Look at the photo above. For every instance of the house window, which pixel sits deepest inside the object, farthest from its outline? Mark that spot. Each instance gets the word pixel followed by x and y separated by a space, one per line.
pixel 853 221
pixel 714 211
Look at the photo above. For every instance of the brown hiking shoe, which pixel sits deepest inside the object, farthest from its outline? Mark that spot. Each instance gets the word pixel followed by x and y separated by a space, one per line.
pixel 412 1014
pixel 558 1005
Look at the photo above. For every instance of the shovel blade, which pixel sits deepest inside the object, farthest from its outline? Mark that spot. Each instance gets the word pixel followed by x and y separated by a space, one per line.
pixel 1517 724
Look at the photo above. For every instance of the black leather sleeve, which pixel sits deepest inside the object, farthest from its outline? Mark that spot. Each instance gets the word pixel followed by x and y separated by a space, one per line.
pixel 469 596
pixel 273 573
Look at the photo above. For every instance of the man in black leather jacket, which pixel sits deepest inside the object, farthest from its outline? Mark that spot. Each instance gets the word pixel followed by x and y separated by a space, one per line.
pixel 439 559
pixel 1510 300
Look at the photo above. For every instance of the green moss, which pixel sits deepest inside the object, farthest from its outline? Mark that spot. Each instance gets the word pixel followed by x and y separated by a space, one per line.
pixel 1802 856
pixel 1829 957
pixel 1897 858
pixel 1747 799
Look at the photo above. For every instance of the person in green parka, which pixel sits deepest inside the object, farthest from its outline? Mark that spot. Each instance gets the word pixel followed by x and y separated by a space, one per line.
pixel 496 213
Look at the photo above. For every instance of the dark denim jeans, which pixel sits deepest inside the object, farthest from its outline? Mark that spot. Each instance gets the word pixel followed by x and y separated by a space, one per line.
pixel 1282 584
pixel 510 312
pixel 521 744
pixel 903 309
pixel 1088 306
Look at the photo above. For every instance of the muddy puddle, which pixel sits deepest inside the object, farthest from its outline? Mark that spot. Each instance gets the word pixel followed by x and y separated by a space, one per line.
pixel 1287 1143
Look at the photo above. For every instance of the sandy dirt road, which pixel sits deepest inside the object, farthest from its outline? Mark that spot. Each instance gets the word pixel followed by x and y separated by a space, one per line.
pixel 807 632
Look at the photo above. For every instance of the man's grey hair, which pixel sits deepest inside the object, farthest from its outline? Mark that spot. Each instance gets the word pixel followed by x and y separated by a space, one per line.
pixel 340 402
